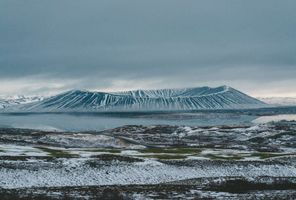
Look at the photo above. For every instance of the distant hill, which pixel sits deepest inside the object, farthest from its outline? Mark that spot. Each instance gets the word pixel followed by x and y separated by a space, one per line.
pixel 8 101
pixel 199 98
pixel 280 101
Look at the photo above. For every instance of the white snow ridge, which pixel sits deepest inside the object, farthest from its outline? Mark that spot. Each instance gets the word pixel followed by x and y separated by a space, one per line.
pixel 200 98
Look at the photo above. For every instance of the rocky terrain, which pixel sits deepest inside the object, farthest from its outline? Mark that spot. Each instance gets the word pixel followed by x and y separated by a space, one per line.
pixel 156 162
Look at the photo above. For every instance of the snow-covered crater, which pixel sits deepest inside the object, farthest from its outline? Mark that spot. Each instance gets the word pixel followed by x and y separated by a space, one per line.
pixel 199 98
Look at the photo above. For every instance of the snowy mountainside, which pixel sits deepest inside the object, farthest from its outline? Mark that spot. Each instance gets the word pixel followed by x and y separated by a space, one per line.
pixel 199 98
pixel 6 101
pixel 170 93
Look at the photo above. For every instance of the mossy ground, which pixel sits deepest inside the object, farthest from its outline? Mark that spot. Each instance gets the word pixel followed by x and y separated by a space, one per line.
pixel 266 155
pixel 172 150
pixel 103 150
pixel 222 157
pixel 58 153
pixel 165 156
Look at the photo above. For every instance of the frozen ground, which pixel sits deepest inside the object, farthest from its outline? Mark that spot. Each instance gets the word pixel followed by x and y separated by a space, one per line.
pixel 156 161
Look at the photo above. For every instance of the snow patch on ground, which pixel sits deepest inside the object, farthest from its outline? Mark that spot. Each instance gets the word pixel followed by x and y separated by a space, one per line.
pixel 17 150
pixel 275 118
pixel 75 173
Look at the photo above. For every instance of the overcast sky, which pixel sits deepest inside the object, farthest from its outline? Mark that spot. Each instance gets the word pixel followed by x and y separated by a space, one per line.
pixel 55 45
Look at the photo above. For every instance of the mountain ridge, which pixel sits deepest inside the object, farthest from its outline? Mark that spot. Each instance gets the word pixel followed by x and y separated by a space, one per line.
pixel 195 98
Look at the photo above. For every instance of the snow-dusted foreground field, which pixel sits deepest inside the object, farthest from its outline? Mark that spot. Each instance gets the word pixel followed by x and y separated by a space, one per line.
pixel 140 162
pixel 77 172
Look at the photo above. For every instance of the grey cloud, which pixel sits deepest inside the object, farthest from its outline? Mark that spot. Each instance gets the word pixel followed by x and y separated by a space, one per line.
pixel 185 42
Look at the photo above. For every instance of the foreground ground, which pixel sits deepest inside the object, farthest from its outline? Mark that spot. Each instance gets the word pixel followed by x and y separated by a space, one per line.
pixel 156 162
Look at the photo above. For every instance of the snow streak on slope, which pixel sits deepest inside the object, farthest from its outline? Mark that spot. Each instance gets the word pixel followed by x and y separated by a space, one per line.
pixel 223 97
